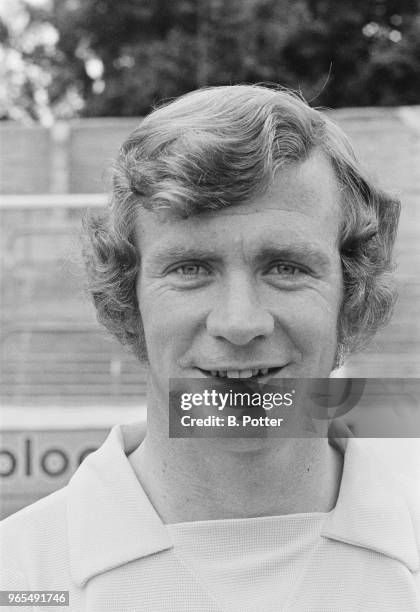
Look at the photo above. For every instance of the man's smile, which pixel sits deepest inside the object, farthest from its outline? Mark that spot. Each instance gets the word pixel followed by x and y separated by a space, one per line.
pixel 261 373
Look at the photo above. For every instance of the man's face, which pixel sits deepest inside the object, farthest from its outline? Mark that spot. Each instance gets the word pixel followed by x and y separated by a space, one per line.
pixel 251 287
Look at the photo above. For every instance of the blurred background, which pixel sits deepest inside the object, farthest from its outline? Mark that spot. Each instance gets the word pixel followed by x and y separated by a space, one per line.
pixel 76 76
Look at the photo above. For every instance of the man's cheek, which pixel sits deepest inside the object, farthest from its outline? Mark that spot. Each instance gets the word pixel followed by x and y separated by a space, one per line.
pixel 311 330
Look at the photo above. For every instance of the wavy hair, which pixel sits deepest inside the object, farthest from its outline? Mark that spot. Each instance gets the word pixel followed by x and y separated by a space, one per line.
pixel 220 146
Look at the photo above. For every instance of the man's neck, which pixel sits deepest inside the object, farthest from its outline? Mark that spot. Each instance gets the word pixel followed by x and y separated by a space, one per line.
pixel 209 479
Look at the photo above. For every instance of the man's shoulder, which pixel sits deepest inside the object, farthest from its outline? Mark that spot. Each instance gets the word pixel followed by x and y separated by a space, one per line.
pixel 33 543
pixel 410 487
pixel 47 510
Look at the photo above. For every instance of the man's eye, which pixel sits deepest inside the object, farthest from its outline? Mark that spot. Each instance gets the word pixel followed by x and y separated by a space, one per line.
pixel 191 270
pixel 285 269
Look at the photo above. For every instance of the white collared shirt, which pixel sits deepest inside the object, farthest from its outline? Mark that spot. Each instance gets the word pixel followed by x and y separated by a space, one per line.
pixel 101 539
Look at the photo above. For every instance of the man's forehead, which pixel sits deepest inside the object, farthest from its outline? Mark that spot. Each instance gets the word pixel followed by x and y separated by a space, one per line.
pixel 302 199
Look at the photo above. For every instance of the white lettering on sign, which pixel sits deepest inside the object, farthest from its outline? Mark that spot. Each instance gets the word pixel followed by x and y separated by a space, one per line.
pixel 36 463
pixel 28 460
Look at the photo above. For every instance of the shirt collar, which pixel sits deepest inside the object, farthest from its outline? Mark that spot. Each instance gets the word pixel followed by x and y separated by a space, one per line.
pixel 110 518
pixel 377 508
pixel 111 521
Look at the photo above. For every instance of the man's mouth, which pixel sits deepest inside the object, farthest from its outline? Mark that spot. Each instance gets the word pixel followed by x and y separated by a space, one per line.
pixel 259 374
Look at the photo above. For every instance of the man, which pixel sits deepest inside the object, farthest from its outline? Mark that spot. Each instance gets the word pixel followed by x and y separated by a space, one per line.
pixel 242 241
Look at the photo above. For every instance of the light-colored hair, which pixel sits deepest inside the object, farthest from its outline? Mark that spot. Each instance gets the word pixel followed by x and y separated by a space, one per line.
pixel 221 146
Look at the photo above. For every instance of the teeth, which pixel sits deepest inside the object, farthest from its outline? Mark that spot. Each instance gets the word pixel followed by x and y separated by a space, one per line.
pixel 233 373
pixel 239 373
pixel 245 374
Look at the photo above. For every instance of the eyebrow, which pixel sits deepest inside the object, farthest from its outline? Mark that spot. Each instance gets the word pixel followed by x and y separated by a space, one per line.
pixel 175 253
pixel 296 252
pixel 267 252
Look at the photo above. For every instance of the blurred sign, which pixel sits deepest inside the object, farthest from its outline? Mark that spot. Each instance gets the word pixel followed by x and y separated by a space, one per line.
pixel 36 463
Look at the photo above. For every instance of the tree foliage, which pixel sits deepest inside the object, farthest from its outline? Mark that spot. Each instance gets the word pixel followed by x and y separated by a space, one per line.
pixel 120 58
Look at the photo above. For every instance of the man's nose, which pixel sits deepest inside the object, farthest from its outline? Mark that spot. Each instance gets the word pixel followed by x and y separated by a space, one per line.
pixel 239 316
